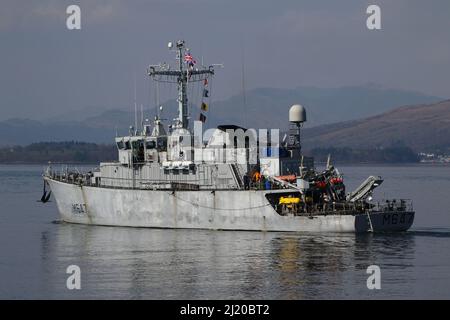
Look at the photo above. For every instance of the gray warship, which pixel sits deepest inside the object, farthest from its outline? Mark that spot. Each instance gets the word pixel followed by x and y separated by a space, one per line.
pixel 234 179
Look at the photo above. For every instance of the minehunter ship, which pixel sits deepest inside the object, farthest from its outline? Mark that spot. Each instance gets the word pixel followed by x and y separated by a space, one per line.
pixel 167 177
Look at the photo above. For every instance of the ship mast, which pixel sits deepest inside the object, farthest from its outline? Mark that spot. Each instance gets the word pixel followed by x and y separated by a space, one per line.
pixel 182 89
pixel 181 76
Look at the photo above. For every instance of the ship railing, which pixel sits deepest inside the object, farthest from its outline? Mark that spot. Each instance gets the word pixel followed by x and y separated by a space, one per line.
pixel 392 205
pixel 344 208
pixel 88 179
pixel 330 208
pixel 397 205
pixel 69 177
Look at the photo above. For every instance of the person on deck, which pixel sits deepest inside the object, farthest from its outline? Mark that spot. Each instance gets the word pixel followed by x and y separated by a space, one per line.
pixel 257 178
pixel 246 182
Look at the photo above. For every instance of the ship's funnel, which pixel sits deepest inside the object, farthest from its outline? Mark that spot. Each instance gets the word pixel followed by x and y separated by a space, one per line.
pixel 297 114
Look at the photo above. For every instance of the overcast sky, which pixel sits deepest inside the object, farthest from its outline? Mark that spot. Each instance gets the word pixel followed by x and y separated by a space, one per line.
pixel 46 69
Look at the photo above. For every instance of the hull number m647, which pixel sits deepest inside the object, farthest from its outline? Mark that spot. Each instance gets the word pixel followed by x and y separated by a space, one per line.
pixel 78 208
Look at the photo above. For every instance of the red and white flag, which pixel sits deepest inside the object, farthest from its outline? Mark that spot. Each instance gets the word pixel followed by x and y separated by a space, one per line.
pixel 189 59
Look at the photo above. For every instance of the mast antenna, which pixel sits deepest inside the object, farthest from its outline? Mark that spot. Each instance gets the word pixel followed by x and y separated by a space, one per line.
pixel 135 105
pixel 142 116
pixel 182 76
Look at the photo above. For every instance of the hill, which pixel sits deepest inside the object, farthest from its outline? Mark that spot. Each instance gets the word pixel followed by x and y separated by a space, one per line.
pixel 58 152
pixel 265 108
pixel 268 107
pixel 24 131
pixel 423 127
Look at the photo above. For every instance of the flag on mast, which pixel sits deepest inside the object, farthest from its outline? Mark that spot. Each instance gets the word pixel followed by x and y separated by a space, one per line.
pixel 189 59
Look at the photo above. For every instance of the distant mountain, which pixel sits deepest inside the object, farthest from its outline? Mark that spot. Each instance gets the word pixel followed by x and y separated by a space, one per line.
pixel 268 107
pixel 423 127
pixel 264 108
pixel 77 115
pixel 23 132
pixel 56 152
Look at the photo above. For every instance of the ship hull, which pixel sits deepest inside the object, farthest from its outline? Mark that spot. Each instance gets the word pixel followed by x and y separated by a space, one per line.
pixel 216 210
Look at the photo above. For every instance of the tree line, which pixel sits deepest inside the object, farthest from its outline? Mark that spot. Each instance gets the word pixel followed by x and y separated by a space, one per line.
pixel 83 152
pixel 64 152
pixel 397 154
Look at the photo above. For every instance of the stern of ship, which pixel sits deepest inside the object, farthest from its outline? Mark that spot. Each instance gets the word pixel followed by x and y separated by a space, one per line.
pixel 387 216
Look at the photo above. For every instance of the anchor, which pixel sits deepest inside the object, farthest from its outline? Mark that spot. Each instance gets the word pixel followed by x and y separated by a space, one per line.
pixel 45 196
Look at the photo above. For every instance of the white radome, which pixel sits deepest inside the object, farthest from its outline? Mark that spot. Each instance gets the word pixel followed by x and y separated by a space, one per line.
pixel 297 114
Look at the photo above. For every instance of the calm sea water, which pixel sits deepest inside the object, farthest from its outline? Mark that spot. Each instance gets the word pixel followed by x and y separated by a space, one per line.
pixel 131 263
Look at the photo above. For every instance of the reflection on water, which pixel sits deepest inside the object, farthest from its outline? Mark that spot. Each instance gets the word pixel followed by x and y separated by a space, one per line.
pixel 191 264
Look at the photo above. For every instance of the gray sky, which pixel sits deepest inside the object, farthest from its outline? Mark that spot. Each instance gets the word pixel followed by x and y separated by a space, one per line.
pixel 48 70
